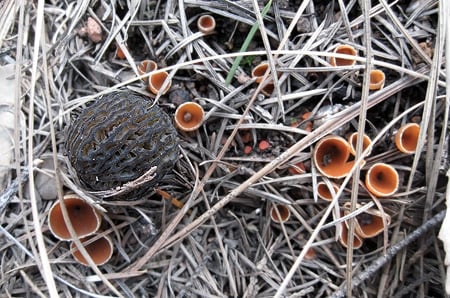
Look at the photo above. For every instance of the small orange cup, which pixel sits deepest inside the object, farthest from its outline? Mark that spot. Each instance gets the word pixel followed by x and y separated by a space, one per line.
pixel 85 219
pixel 189 116
pixel 370 222
pixel 282 215
pixel 146 66
pixel 331 156
pixel 156 82
pixel 344 49
pixel 382 180
pixel 407 137
pixel 324 192
pixel 99 250
pixel 343 236
pixel 352 140
pixel 206 23
pixel 259 71
pixel 377 79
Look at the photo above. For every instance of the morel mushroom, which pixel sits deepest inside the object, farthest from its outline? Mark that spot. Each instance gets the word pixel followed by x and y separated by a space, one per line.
pixel 119 138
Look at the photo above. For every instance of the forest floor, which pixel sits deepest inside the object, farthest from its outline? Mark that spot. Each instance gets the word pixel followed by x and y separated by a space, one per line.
pixel 253 154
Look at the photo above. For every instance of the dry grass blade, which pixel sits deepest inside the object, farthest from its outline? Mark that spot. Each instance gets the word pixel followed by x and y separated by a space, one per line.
pixel 43 262
pixel 359 144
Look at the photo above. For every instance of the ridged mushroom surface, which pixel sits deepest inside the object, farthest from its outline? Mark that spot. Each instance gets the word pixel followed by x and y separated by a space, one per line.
pixel 119 138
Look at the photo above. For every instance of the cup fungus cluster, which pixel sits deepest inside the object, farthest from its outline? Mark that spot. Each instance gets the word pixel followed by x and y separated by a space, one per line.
pixel 86 222
pixel 377 77
pixel 332 157
pixel 117 140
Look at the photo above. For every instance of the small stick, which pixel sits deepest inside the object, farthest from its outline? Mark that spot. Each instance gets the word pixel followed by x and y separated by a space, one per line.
pixel 177 203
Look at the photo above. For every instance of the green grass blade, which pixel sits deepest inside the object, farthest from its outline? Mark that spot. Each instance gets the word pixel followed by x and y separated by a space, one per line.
pixel 244 47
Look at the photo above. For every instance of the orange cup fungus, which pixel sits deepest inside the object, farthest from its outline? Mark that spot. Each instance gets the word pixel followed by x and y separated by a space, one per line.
pixel 343 236
pixel 352 140
pixel 382 180
pixel 331 157
pixel 268 88
pixel 259 71
pixel 263 145
pixel 156 82
pixel 119 52
pixel 189 116
pixel 346 50
pixel 370 223
pixel 100 250
pixel 377 79
pixel 145 67
pixel 206 24
pixel 310 254
pixel 282 215
pixel 407 137
pixel 84 218
pixel 324 192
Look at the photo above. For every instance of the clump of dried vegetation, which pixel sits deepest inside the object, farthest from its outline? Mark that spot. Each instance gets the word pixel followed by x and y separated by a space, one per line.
pixel 252 151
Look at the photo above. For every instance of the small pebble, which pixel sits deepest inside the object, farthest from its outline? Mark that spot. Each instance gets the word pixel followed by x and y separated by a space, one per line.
pixel 179 96
pixel 45 181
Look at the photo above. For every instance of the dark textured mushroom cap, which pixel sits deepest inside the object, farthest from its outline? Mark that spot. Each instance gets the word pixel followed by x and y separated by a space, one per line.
pixel 118 139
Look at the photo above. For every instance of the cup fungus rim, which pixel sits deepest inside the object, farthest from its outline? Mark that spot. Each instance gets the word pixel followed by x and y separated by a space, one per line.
pixel 145 63
pixel 322 183
pixel 268 88
pixel 258 73
pixel 343 240
pixel 359 229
